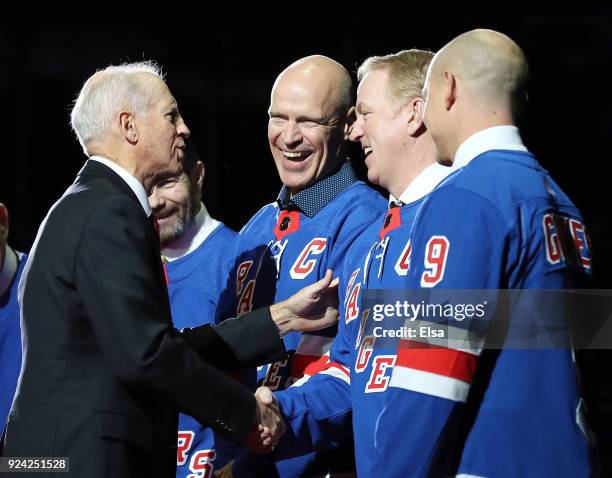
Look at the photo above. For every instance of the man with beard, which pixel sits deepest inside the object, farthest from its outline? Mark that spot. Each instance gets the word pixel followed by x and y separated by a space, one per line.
pixel 194 249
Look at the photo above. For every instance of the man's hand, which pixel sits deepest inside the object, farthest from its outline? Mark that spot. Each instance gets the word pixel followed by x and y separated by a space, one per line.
pixel 312 308
pixel 268 424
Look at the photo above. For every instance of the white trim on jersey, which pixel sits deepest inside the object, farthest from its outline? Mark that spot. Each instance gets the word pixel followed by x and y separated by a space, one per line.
pixel 337 371
pixel 429 383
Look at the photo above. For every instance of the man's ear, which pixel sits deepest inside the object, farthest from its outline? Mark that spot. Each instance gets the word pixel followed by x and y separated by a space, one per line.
pixel 127 127
pixel 450 90
pixel 416 108
pixel 199 171
pixel 351 117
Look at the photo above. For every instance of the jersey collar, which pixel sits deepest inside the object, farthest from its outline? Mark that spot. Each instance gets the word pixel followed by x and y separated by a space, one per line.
pixel 201 227
pixel 497 137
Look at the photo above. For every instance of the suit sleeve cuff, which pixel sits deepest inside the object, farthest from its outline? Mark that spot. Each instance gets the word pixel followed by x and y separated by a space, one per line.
pixel 254 338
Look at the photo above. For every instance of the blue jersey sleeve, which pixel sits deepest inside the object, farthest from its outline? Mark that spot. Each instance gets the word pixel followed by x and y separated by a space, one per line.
pixel 458 242
pixel 317 411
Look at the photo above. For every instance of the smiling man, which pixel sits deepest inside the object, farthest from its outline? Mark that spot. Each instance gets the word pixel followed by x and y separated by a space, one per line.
pixel 320 210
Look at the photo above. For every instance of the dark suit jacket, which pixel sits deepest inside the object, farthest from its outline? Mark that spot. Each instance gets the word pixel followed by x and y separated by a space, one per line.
pixel 104 372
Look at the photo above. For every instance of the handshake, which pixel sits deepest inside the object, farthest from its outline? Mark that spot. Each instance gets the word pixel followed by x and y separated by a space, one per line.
pixel 268 424
pixel 312 308
pixel 268 427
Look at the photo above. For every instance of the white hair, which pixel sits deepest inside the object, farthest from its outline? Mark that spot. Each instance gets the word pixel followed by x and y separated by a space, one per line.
pixel 106 93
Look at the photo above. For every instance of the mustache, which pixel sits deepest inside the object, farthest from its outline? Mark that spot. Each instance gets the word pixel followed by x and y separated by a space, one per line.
pixel 164 213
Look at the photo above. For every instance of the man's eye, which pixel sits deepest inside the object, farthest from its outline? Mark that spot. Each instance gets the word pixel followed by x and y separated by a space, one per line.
pixel 309 124
pixel 168 184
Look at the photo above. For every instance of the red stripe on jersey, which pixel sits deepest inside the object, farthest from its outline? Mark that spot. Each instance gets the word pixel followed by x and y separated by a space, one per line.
pixel 317 366
pixel 439 360
pixel 301 361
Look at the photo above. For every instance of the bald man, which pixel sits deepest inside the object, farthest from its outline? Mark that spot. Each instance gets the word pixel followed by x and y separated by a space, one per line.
pixel 319 212
pixel 509 408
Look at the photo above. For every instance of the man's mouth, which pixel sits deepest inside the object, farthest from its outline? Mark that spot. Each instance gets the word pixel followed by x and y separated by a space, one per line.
pixel 164 215
pixel 295 155
pixel 367 151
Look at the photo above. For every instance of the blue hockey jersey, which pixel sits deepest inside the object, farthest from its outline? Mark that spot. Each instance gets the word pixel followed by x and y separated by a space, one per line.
pixel 200 293
pixel 498 222
pixel 349 385
pixel 10 344
pixel 285 249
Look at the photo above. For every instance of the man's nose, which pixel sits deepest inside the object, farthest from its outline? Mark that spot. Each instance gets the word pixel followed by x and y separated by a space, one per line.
pixel 156 201
pixel 291 133
pixel 356 130
pixel 182 128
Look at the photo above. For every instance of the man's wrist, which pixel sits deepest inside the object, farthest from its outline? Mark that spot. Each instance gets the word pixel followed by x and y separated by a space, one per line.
pixel 281 317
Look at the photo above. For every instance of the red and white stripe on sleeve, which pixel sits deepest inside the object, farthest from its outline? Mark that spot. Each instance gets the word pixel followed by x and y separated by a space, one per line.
pixel 310 349
pixel 325 366
pixel 443 368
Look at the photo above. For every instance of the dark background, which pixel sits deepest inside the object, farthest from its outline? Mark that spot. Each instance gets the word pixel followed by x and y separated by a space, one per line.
pixel 221 70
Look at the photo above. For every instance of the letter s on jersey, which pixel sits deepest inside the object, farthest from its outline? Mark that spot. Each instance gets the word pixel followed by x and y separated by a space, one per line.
pixel 304 264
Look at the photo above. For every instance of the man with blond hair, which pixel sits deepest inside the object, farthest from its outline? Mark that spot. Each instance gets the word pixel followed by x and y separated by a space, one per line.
pixel 504 400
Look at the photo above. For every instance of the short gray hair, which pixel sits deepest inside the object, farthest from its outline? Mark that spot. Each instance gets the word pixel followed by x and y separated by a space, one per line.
pixel 107 92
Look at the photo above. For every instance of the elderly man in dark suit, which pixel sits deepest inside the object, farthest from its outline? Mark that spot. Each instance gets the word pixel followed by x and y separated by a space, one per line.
pixel 104 371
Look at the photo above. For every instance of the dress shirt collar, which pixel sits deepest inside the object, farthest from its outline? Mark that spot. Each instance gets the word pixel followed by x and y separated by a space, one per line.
pixel 312 199
pixel 131 181
pixel 497 137
pixel 201 227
